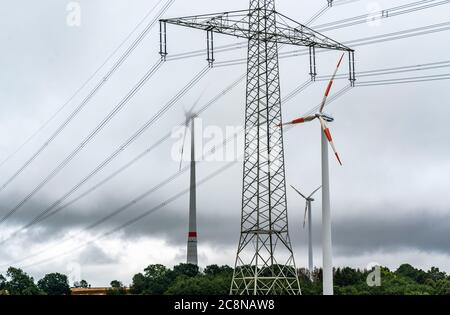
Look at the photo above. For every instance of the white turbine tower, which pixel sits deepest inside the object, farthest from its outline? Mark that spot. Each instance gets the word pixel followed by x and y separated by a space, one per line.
pixel 308 218
pixel 192 257
pixel 326 212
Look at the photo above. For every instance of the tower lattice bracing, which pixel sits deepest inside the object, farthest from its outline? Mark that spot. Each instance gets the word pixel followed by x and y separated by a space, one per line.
pixel 265 261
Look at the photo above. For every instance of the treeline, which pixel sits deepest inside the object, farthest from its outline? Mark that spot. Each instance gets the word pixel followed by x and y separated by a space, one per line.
pixel 406 280
pixel 186 279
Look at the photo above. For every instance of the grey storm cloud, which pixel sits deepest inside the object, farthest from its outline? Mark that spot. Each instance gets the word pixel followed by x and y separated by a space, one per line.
pixel 93 254
pixel 391 195
pixel 357 236
pixel 423 232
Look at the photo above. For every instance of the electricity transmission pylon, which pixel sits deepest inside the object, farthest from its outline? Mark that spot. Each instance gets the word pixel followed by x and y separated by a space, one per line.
pixel 265 261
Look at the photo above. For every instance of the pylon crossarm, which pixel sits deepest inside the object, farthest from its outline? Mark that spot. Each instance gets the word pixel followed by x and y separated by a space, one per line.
pixel 233 23
pixel 237 24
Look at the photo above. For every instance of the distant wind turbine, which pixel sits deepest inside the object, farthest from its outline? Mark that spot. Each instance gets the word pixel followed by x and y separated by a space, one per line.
pixel 308 218
pixel 192 256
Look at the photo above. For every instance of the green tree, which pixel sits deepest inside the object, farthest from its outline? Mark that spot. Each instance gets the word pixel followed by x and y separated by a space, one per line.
pixel 406 270
pixel 81 284
pixel 215 270
pixel 20 283
pixel 346 276
pixel 212 270
pixel 2 285
pixel 442 287
pixel 54 284
pixel 156 271
pixel 435 274
pixel 200 285
pixel 2 282
pixel 186 280
pixel 117 288
pixel 139 284
pixel 116 284
pixel 188 270
pixel 157 278
pixel 401 283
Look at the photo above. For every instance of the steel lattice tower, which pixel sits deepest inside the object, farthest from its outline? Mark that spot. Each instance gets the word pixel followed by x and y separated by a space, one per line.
pixel 265 261
pixel 261 267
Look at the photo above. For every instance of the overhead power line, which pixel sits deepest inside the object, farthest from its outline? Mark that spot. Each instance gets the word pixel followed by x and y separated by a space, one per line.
pixel 117 65
pixel 141 155
pixel 408 33
pixel 339 24
pixel 426 78
pixel 155 209
pixel 336 96
pixel 241 45
pixel 120 149
pixel 382 14
pixel 371 40
pixel 393 70
pixel 12 211
pixel 131 203
pixel 129 164
pixel 412 7
pixel 380 81
pixel 178 174
pixel 318 14
pixel 54 208
pixel 82 145
pixel 86 100
pixel 75 94
pixel 140 217
pixel 57 207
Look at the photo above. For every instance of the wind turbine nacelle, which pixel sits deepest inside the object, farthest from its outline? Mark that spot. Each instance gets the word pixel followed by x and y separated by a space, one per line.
pixel 327 117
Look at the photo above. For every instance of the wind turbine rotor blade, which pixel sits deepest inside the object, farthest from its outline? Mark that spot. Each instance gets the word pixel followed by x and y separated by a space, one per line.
pixel 327 132
pixel 330 84
pixel 191 111
pixel 312 194
pixel 189 116
pixel 298 192
pixel 299 121
pixel 304 217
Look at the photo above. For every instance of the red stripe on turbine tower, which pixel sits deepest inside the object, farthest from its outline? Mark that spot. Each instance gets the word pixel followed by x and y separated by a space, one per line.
pixel 192 234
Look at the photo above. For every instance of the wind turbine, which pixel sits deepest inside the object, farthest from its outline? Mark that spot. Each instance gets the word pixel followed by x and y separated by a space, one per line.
pixel 326 212
pixel 192 257
pixel 308 214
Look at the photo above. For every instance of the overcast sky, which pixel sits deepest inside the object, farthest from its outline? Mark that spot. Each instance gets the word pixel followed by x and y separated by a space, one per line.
pixel 390 200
